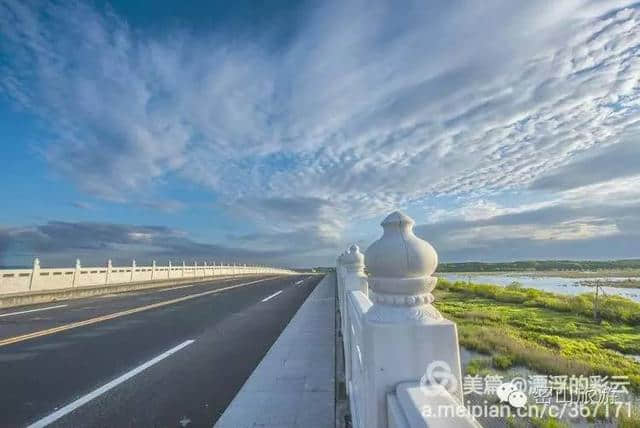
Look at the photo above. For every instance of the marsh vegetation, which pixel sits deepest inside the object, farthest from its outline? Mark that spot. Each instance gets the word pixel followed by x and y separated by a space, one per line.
pixel 545 332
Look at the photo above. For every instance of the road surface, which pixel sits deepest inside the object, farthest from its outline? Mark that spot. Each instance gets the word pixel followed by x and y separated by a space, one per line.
pixel 163 358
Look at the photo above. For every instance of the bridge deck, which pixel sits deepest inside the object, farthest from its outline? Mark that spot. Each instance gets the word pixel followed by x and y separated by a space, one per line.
pixel 172 357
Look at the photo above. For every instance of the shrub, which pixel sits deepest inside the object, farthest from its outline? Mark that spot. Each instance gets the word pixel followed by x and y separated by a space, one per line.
pixel 478 366
pixel 502 361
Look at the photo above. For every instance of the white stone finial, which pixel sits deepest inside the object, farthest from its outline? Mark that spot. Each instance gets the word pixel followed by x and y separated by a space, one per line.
pixel 36 263
pixel 353 259
pixel 109 263
pixel 400 266
pixel 78 264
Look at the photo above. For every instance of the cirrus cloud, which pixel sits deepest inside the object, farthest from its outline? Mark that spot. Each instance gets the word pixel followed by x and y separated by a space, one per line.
pixel 369 107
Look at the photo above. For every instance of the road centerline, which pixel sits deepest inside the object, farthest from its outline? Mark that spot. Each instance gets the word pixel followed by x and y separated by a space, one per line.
pixel 266 299
pixel 105 388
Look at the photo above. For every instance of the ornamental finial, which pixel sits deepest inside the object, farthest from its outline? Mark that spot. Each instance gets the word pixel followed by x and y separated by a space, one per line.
pixel 353 257
pixel 400 266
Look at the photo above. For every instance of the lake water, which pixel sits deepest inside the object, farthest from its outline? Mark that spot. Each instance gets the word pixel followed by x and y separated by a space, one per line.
pixel 552 284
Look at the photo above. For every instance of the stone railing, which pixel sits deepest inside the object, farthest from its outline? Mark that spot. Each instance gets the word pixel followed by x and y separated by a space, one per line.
pixel 402 360
pixel 40 279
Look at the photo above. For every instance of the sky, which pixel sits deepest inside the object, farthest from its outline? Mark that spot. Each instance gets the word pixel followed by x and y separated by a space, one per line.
pixel 280 132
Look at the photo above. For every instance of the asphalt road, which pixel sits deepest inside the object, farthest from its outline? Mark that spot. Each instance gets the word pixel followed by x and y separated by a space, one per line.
pixel 163 358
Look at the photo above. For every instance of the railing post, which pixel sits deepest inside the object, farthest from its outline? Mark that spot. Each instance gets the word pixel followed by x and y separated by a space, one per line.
pixel 195 269
pixel 169 270
pixel 76 274
pixel 35 273
pixel 398 333
pixel 184 266
pixel 109 269
pixel 133 270
pixel 153 269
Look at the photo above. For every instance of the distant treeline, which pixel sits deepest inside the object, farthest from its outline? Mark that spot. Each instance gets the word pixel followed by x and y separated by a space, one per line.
pixel 540 265
pixel 324 269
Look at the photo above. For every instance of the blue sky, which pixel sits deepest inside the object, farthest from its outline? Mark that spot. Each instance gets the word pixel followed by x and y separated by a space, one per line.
pixel 279 133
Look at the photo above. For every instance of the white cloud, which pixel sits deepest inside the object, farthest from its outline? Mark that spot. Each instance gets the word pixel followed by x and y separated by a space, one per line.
pixel 578 229
pixel 370 107
pixel 621 191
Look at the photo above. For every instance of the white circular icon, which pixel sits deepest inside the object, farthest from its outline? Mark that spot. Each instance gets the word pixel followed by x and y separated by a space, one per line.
pixel 518 398
pixel 437 378
pixel 504 390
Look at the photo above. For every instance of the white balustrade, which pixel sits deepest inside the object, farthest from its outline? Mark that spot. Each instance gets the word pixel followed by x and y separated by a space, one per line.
pixel 43 279
pixel 402 357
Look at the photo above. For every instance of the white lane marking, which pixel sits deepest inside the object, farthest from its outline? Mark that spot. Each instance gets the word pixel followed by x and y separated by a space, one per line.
pixel 272 296
pixel 98 392
pixel 32 310
pixel 299 283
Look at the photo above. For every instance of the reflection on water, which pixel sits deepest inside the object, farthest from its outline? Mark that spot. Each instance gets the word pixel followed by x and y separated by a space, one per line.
pixel 552 284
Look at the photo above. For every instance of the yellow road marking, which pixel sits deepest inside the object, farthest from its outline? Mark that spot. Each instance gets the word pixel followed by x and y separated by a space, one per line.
pixel 95 320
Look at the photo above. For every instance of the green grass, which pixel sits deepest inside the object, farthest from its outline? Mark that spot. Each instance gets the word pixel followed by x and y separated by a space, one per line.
pixel 549 333
pixel 611 308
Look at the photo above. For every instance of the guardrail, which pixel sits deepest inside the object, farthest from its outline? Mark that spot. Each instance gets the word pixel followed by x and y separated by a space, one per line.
pixel 39 279
pixel 402 360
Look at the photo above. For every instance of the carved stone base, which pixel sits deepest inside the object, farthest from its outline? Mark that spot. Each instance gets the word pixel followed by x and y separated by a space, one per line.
pixel 384 313
pixel 401 299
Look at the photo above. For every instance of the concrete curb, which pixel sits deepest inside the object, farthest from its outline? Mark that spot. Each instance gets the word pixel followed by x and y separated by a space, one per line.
pixel 48 296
